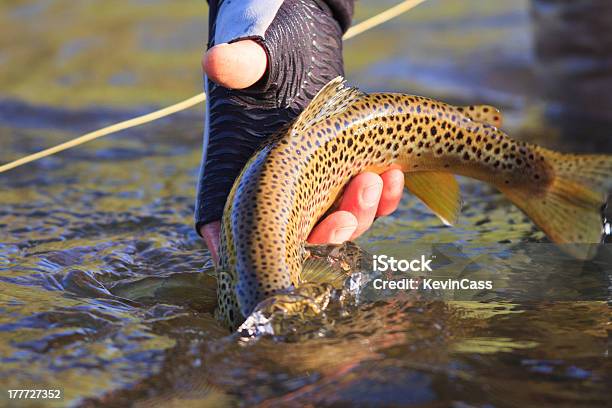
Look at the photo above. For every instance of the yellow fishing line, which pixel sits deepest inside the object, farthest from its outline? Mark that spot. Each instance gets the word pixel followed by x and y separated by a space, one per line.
pixel 126 124
pixel 194 100
pixel 381 18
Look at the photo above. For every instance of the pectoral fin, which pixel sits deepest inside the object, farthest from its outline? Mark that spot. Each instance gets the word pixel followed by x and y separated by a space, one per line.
pixel 439 191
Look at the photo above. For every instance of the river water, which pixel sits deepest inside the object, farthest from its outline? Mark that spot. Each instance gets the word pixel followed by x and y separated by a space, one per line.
pixel 106 292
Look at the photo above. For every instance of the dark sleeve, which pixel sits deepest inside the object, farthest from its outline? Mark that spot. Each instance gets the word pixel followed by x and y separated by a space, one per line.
pixel 304 48
pixel 343 11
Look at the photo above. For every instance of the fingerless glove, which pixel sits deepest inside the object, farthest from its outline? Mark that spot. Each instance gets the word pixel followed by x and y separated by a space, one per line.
pixel 303 43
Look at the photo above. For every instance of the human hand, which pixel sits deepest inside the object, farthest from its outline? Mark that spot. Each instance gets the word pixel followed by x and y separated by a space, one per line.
pixel 367 196
pixel 265 62
pixel 276 76
pixel 243 63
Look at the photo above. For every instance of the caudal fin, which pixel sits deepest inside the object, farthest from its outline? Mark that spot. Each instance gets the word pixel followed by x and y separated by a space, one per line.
pixel 571 209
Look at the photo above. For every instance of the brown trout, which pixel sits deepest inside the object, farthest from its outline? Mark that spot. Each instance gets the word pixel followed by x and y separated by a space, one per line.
pixel 295 178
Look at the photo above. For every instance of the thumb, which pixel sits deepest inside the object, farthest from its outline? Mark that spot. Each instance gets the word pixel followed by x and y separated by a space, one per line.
pixel 237 65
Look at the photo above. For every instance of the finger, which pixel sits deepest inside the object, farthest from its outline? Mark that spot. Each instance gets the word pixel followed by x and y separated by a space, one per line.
pixel 393 188
pixel 361 198
pixel 334 229
pixel 211 234
pixel 237 65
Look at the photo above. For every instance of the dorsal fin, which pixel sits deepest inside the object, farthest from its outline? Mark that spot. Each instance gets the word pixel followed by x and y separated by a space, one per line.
pixel 332 99
pixel 486 114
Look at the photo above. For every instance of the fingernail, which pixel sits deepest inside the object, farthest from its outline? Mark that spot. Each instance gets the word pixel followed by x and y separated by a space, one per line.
pixel 371 194
pixel 342 234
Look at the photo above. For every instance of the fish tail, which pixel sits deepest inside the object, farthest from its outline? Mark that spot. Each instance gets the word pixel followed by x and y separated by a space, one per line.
pixel 570 207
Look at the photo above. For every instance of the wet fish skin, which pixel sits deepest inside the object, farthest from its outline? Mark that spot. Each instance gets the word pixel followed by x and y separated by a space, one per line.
pixel 293 180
